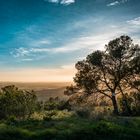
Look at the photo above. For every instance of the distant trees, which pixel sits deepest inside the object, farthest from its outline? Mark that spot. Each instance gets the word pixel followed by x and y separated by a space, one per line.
pixel 16 102
pixel 113 72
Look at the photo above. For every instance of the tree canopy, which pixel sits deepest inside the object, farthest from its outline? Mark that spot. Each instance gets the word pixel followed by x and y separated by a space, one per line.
pixel 110 72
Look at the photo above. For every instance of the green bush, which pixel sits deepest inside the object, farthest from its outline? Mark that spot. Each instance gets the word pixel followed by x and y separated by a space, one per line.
pixel 57 115
pixel 56 104
pixel 133 101
pixel 83 112
pixel 16 102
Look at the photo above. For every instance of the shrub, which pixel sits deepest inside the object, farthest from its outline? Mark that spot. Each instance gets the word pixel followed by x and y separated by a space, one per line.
pixel 16 102
pixel 83 112
pixel 56 104
pixel 133 101
pixel 57 115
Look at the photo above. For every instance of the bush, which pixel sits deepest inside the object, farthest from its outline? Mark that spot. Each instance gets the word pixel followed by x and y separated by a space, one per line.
pixel 100 113
pixel 133 101
pixel 57 115
pixel 16 102
pixel 83 112
pixel 11 120
pixel 56 104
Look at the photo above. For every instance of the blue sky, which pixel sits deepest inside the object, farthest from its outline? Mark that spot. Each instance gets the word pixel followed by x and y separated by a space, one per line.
pixel 42 39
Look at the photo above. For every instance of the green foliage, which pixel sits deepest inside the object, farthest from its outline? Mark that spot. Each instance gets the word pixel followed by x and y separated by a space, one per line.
pixel 135 103
pixel 133 100
pixel 73 129
pixel 52 115
pixel 13 133
pixel 16 102
pixel 57 115
pixel 83 112
pixel 56 104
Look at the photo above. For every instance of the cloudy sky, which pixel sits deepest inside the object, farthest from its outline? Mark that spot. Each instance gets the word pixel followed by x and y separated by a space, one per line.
pixel 41 40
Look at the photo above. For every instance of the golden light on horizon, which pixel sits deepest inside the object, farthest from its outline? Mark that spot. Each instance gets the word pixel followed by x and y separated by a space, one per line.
pixel 64 74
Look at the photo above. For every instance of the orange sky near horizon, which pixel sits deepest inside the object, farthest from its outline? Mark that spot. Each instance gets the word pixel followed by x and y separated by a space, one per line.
pixel 63 74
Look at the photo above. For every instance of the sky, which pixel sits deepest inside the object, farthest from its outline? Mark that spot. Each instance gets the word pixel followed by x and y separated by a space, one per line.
pixel 41 40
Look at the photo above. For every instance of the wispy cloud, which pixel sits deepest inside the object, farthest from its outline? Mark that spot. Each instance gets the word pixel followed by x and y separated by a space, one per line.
pixel 41 42
pixel 27 52
pixel 64 2
pixel 67 2
pixel 52 1
pixel 20 52
pixel 113 3
pixel 135 21
pixel 117 3
pixel 87 43
pixel 27 59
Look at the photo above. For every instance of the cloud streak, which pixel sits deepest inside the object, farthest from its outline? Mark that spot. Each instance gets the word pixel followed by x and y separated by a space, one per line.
pixel 115 3
pixel 135 21
pixel 88 43
pixel 82 43
pixel 63 2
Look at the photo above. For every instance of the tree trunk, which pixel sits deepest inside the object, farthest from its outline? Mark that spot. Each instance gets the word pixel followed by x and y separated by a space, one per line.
pixel 115 105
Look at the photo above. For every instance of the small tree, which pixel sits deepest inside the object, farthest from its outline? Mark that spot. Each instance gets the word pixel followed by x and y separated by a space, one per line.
pixel 16 102
pixel 110 72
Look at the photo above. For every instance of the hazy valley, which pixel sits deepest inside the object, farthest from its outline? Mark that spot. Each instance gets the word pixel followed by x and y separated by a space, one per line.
pixel 43 90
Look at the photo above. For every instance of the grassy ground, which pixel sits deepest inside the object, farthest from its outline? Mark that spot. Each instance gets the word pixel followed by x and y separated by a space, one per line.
pixel 72 128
